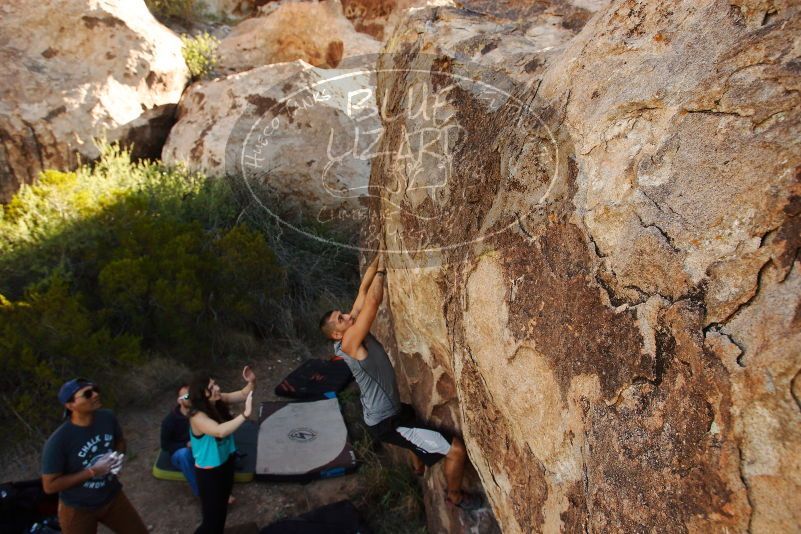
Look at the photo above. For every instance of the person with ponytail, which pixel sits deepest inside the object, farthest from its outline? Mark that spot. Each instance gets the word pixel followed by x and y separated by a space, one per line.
pixel 212 437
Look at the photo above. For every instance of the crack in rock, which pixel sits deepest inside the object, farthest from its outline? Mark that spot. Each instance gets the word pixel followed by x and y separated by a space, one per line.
pixel 717 112
pixel 663 233
pixel 747 487
pixel 753 297
pixel 793 388
pixel 718 329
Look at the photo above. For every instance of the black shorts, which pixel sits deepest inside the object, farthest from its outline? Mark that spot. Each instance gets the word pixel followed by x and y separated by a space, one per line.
pixel 429 444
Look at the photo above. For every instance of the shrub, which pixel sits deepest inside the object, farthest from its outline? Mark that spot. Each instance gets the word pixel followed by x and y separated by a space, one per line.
pixel 47 336
pixel 251 280
pixel 319 275
pixel 200 54
pixel 107 267
pixel 119 264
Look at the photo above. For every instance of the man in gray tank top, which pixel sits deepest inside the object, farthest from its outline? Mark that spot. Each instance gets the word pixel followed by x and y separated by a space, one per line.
pixel 387 419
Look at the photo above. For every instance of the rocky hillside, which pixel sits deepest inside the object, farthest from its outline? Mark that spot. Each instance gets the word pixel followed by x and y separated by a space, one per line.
pixel 596 273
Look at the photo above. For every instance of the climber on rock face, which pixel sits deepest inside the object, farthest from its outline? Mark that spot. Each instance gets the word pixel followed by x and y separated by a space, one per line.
pixel 387 419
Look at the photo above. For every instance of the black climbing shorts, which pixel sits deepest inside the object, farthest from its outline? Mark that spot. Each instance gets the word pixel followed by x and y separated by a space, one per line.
pixel 404 430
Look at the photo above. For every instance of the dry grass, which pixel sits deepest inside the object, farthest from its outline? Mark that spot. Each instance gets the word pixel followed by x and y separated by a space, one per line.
pixel 156 376
pixel 392 501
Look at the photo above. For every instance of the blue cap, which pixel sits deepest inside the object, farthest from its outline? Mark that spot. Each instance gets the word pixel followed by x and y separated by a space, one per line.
pixel 70 388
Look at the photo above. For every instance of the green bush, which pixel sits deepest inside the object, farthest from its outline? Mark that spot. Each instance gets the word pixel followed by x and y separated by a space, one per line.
pixel 248 275
pixel 106 267
pixel 200 54
pixel 109 269
pixel 46 336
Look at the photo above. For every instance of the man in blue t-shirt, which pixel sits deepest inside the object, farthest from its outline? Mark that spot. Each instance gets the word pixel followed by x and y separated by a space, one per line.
pixel 80 462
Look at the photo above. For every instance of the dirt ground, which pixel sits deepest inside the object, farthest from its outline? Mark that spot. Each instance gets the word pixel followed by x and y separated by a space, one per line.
pixel 169 507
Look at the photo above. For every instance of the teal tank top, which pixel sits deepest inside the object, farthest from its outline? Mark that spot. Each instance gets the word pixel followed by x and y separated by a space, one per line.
pixel 209 451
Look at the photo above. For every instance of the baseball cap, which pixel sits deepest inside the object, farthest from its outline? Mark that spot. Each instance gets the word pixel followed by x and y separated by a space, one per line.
pixel 71 387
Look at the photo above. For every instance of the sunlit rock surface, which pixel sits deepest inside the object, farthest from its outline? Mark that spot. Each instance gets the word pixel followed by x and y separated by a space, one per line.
pixel 232 9
pixel 74 70
pixel 595 269
pixel 315 32
pixel 281 126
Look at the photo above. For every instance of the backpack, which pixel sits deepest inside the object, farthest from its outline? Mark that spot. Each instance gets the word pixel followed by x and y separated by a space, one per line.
pixel 24 503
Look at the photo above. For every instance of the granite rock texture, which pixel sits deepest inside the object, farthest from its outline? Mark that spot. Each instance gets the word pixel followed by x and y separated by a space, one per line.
pixel 377 18
pixel 75 70
pixel 279 130
pixel 595 266
pixel 315 32
pixel 233 9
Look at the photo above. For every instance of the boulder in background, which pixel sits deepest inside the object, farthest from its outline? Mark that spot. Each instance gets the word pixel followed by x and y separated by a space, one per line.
pixel 315 32
pixel 283 127
pixel 75 70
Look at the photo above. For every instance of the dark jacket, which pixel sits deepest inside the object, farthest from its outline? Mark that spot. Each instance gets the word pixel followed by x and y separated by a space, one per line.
pixel 174 431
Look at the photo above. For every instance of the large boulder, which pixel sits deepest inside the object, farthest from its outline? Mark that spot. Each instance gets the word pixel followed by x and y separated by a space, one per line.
pixel 74 70
pixel 574 13
pixel 596 279
pixel 315 32
pixel 232 9
pixel 380 17
pixel 284 131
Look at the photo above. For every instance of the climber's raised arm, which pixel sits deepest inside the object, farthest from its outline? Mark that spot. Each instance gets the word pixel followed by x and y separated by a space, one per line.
pixel 354 336
pixel 367 279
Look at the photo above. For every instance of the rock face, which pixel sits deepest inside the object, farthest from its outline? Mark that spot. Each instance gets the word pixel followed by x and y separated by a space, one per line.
pixel 75 69
pixel 380 17
pixel 235 9
pixel 316 33
pixel 281 127
pixel 369 16
pixel 595 270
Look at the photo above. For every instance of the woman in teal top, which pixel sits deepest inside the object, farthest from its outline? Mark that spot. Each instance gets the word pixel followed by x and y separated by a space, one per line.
pixel 212 438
